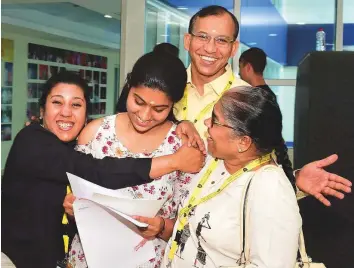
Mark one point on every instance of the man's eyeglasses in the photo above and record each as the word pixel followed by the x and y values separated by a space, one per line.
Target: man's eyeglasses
pixel 204 38
pixel 214 121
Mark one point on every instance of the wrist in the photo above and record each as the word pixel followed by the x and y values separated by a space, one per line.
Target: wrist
pixel 162 227
pixel 174 162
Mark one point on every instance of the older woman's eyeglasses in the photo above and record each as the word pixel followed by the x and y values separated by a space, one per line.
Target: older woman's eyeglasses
pixel 205 38
pixel 215 121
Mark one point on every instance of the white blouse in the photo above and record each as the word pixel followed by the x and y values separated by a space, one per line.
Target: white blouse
pixel 212 237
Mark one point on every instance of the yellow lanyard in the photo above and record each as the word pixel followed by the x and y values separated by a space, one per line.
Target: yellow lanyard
pixel 65 222
pixel 206 108
pixel 194 201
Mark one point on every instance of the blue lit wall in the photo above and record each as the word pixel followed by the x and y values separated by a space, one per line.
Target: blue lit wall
pixel 260 19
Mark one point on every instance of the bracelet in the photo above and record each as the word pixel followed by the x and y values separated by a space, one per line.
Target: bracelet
pixel 163 228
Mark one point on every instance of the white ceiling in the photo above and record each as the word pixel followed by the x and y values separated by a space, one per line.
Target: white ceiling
pixel 79 20
pixel 83 20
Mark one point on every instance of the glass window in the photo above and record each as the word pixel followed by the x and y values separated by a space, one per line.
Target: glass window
pixel 286 99
pixel 286 31
pixel 348 27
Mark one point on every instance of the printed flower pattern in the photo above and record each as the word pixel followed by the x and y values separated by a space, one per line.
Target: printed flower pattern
pixel 171 187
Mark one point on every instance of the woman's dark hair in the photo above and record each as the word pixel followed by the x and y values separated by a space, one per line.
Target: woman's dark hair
pixel 165 73
pixel 160 49
pixel 121 106
pixel 253 112
pixel 166 48
pixel 65 77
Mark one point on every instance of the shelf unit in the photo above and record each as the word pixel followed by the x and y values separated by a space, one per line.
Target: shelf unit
pixel 6 99
pixel 45 61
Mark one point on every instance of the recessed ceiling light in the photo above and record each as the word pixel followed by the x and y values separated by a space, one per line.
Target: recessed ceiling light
pixel 182 8
pixel 300 23
pixel 108 16
pixel 272 34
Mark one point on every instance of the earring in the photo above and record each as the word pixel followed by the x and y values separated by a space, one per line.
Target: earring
pixel 240 150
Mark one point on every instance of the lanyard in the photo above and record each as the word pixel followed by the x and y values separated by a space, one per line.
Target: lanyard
pixel 65 222
pixel 206 108
pixel 194 200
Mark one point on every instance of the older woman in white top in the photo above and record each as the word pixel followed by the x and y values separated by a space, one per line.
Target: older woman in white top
pixel 244 130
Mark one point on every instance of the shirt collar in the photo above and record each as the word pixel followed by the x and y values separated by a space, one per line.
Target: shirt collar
pixel 217 84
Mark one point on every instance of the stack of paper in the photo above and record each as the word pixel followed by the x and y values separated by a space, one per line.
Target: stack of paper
pixel 109 235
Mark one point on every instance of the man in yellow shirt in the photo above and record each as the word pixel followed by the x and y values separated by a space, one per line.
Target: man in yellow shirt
pixel 211 42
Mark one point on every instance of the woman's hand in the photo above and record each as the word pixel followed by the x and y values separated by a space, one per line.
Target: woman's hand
pixel 193 138
pixel 188 159
pixel 68 204
pixel 155 226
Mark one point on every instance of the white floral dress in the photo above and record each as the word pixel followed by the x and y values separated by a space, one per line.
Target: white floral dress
pixel 171 187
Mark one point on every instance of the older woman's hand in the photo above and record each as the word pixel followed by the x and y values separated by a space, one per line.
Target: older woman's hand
pixel 314 180
pixel 68 204
pixel 193 138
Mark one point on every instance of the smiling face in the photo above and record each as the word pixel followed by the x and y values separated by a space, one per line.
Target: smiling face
pixel 209 59
pixel 147 108
pixel 65 111
pixel 222 142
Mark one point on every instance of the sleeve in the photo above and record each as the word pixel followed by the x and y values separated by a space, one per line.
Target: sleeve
pixel 43 154
pixel 299 194
pixel 274 221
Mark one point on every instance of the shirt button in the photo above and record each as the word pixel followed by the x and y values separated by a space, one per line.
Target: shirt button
pixel 212 182
pixel 223 173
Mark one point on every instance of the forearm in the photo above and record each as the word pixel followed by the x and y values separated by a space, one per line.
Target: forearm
pixel 168 230
pixel 162 165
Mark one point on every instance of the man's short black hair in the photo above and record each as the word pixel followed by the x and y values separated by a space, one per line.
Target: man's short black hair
pixel 213 10
pixel 256 57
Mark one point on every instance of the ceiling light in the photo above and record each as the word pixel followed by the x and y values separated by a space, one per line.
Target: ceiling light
pixel 182 8
pixel 300 23
pixel 272 34
pixel 108 16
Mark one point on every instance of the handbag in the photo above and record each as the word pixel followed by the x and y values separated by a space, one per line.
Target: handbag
pixel 303 262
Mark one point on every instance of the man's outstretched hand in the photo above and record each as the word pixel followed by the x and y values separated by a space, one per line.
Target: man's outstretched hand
pixel 314 180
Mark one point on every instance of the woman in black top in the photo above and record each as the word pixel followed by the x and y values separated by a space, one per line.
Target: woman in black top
pixel 34 182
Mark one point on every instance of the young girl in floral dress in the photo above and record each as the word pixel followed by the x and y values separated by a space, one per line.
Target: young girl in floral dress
pixel 147 129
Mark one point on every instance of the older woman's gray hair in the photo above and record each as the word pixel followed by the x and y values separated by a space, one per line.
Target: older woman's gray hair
pixel 254 112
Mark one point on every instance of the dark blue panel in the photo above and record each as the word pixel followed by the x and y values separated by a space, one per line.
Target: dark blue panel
pixel 259 20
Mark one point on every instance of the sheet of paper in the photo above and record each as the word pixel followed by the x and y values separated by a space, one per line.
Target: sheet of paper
pixel 140 207
pixel 109 240
pixel 108 234
pixel 85 189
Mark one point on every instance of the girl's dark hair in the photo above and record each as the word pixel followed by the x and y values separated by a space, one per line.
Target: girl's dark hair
pixel 121 106
pixel 65 77
pixel 162 72
pixel 253 112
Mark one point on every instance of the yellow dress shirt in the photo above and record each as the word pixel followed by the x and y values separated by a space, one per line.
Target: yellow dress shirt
pixel 196 102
